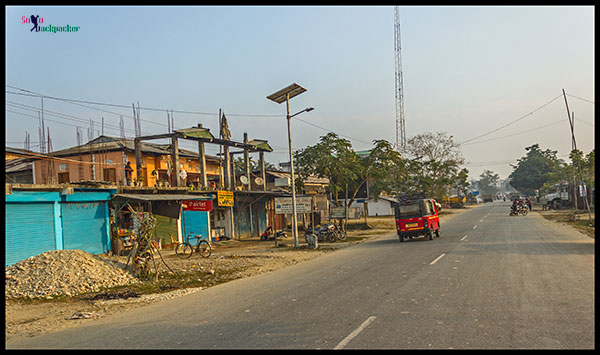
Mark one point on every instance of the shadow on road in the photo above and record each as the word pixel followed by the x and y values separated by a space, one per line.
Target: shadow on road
pixel 527 248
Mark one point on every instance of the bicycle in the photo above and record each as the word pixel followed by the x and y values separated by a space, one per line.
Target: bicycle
pixel 186 249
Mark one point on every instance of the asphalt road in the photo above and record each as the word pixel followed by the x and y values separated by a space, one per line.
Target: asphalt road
pixel 490 281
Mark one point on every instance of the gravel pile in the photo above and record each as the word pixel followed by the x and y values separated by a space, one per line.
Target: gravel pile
pixel 62 272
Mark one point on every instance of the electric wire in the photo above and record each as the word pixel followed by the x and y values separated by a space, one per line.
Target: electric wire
pixel 517 133
pixel 509 123
pixel 582 99
pixel 35 94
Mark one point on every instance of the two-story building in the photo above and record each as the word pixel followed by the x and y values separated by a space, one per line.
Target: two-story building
pixel 105 158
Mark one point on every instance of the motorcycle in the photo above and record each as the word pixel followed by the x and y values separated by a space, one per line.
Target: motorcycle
pixel 518 210
pixel 341 234
pixel 268 234
pixel 325 233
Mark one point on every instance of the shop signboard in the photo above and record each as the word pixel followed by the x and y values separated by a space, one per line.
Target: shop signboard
pixel 225 198
pixel 197 205
pixel 337 212
pixel 283 205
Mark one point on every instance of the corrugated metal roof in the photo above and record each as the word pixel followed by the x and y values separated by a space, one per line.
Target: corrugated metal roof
pixel 19 164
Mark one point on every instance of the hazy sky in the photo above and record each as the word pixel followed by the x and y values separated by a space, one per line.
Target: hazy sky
pixel 467 71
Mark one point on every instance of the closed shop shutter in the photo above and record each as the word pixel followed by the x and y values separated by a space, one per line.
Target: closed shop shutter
pixel 84 226
pixel 195 223
pixel 29 230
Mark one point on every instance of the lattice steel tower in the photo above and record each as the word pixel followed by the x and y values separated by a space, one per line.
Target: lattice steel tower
pixel 400 144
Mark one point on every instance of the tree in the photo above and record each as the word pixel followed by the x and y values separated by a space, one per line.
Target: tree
pixel 533 170
pixel 434 167
pixel 384 168
pixel 488 181
pixel 334 158
pixel 461 183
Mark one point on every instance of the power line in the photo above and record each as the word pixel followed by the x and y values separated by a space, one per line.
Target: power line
pixel 515 134
pixel 127 106
pixel 591 102
pixel 79 103
pixel 518 119
pixel 329 130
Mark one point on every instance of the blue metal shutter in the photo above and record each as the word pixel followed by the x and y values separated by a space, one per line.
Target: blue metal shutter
pixel 195 222
pixel 84 226
pixel 29 230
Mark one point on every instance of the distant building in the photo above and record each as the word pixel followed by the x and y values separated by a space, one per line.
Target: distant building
pixel 19 165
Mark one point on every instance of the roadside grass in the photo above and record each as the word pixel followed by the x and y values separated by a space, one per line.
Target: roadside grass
pixel 577 219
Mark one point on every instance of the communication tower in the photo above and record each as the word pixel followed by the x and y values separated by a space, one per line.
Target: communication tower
pixel 400 144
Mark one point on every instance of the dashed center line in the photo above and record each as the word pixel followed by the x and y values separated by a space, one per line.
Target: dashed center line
pixel 474 227
pixel 354 333
pixel 463 238
pixel 436 259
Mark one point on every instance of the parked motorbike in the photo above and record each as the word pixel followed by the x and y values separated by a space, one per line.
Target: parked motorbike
pixel 326 233
pixel 341 234
pixel 269 235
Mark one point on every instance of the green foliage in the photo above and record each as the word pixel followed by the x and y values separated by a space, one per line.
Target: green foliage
pixel 535 169
pixel 488 181
pixel 435 168
pixel 332 158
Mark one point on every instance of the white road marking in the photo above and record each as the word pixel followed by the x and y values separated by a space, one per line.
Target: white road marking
pixel 463 238
pixel 354 333
pixel 474 227
pixel 436 259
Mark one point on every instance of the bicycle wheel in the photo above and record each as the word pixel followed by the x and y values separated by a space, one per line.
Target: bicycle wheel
pixel 184 250
pixel 204 248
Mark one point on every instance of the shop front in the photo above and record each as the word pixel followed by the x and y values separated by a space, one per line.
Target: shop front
pixel 174 215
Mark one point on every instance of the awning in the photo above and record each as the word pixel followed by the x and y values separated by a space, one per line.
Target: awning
pixel 167 205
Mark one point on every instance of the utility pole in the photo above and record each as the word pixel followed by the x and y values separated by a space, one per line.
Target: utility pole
pixel 573 148
pixel 587 204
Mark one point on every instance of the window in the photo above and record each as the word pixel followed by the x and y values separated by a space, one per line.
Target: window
pixel 428 208
pixel 63 178
pixel 63 167
pixel 408 211
pixel 110 174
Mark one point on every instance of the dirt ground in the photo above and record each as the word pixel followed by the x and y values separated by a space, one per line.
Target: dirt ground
pixel 579 219
pixel 230 260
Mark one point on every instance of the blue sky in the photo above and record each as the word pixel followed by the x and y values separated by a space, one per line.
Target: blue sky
pixel 467 71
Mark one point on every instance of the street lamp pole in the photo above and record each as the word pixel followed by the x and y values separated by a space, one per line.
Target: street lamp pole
pixel 294 216
pixel 279 97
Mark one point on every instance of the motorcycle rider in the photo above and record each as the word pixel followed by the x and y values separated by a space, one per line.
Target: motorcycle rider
pixel 528 203
pixel 514 206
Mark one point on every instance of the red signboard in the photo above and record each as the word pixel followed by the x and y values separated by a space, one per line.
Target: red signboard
pixel 197 205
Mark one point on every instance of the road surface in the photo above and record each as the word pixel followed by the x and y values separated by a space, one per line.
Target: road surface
pixel 490 281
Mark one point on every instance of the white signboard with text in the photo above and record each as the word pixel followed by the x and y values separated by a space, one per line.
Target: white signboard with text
pixel 283 205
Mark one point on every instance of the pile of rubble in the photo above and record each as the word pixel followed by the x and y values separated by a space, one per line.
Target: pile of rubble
pixel 62 272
